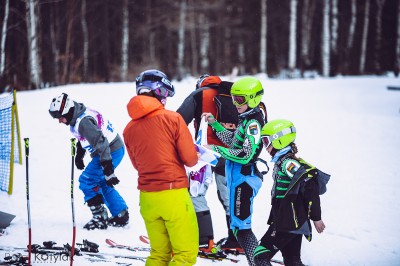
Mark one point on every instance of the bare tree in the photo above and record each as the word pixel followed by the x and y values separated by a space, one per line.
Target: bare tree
pixel 334 26
pixel 181 39
pixel 325 47
pixel 3 39
pixel 54 46
pixel 350 35
pixel 32 17
pixel 378 36
pixel 204 42
pixel 306 31
pixel 292 34
pixel 397 60
pixel 263 38
pixel 193 40
pixel 364 39
pixel 85 34
pixel 125 42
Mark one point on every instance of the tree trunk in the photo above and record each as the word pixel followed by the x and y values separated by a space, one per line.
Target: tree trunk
pixel 181 40
pixel 54 46
pixel 378 36
pixel 364 39
pixel 125 42
pixel 193 41
pixel 397 60
pixel 292 34
pixel 334 26
pixel 32 16
pixel 85 35
pixel 204 43
pixel 325 40
pixel 68 43
pixel 263 39
pixel 306 30
pixel 3 39
pixel 350 36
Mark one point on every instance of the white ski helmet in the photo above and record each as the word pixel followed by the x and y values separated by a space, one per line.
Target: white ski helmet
pixel 60 106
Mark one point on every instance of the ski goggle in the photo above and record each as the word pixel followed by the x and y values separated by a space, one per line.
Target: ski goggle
pixel 157 82
pixel 239 100
pixel 267 141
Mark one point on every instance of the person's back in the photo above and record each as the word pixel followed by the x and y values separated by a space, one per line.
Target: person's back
pixel 158 161
pixel 208 98
pixel 159 144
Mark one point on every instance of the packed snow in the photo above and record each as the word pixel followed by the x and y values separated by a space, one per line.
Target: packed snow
pixel 348 127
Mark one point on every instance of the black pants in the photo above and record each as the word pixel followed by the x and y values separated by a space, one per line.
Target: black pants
pixel 289 244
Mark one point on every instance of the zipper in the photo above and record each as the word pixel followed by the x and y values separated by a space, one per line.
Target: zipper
pixel 294 216
pixel 309 208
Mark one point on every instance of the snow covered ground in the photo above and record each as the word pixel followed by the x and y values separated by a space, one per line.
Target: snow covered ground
pixel 348 127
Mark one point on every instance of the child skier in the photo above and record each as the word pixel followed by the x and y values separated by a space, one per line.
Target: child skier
pixel 295 197
pixel 95 134
pixel 244 145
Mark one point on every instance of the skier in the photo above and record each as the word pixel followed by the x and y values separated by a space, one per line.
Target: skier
pixel 96 135
pixel 295 197
pixel 159 144
pixel 197 103
pixel 244 146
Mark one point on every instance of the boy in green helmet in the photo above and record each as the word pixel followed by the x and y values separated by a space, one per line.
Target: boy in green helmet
pixel 243 148
pixel 295 197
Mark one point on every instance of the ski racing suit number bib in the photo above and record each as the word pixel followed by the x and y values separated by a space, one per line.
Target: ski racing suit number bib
pixel 102 123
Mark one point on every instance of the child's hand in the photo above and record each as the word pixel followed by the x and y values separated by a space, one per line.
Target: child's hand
pixel 319 226
pixel 208 117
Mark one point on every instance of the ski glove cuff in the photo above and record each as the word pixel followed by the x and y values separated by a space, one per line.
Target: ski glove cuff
pixel 111 180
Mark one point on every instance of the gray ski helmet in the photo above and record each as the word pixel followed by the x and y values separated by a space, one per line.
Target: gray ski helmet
pixel 156 81
pixel 60 106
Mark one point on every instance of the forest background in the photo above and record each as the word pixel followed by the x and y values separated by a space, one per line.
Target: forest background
pixel 54 42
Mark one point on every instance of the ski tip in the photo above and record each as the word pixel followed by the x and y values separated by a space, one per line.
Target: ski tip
pixel 144 239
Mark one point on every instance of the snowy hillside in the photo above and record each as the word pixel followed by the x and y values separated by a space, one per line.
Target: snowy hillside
pixel 348 127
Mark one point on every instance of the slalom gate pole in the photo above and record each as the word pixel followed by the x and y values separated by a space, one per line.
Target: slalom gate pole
pixel 26 140
pixel 73 152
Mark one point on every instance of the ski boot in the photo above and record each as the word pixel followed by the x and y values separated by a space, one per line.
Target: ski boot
pixel 99 219
pixel 120 220
pixel 229 245
pixel 208 248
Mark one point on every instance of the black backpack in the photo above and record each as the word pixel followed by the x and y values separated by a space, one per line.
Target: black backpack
pixel 227 114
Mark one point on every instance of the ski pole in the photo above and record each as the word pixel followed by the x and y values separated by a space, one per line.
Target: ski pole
pixel 26 140
pixel 73 152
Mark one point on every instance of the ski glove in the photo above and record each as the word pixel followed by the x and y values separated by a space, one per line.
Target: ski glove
pixel 112 180
pixel 80 153
pixel 108 170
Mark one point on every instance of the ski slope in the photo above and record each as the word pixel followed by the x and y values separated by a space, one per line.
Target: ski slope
pixel 348 127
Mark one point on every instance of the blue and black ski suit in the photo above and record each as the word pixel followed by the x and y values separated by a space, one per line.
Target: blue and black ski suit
pixel 243 178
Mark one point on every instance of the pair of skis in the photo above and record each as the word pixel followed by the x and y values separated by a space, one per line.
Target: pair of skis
pixel 211 256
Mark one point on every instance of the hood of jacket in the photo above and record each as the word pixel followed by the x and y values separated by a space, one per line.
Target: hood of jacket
pixel 79 108
pixel 141 106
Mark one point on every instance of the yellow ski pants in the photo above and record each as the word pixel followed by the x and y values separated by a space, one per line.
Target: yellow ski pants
pixel 171 225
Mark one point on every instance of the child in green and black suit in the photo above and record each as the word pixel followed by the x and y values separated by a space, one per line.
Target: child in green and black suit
pixel 294 198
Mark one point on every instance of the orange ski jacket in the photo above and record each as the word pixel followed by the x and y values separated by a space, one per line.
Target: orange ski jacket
pixel 159 144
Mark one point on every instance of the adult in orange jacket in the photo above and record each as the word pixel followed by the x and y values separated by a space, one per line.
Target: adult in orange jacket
pixel 159 144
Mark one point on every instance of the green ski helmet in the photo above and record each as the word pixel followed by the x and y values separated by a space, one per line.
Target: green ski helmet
pixel 278 133
pixel 250 88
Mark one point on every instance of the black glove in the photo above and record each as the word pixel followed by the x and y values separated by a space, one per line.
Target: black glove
pixel 112 180
pixel 80 153
pixel 108 170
